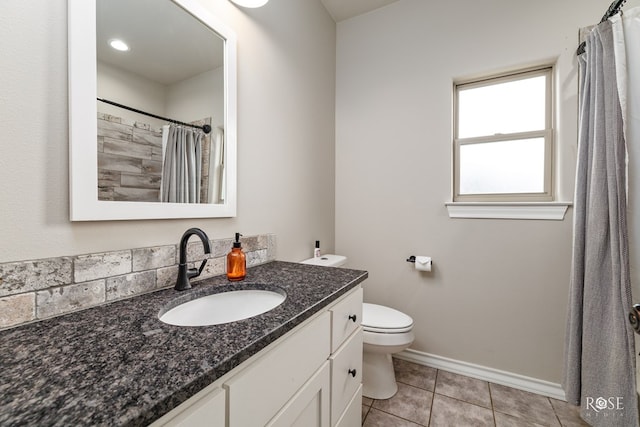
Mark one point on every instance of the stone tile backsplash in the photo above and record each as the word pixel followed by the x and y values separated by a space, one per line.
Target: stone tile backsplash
pixel 38 289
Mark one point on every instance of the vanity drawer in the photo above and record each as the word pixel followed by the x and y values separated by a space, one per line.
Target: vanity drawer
pixel 353 414
pixel 258 392
pixel 346 374
pixel 345 318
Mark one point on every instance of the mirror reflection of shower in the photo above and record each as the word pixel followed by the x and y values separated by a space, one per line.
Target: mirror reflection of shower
pixel 137 162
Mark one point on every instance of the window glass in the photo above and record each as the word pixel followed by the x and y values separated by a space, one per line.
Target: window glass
pixel 509 107
pixel 503 167
pixel 503 138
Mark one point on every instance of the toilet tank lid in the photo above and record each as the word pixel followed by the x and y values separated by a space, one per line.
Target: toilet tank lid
pixel 385 318
pixel 327 260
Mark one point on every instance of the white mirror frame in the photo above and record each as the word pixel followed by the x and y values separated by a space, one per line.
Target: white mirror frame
pixel 83 151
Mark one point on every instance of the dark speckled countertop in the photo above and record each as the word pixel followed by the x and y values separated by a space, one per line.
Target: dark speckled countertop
pixel 117 364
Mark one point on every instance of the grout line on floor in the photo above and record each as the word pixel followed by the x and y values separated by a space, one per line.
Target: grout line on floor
pixel 554 411
pixel 433 397
pixel 493 410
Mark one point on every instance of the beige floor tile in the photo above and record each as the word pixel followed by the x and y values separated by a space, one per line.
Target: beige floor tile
pixel 429 397
pixel 569 415
pixel 414 374
pixel 381 419
pixel 365 411
pixel 521 404
pixel 504 420
pixel 448 412
pixel 410 403
pixel 464 388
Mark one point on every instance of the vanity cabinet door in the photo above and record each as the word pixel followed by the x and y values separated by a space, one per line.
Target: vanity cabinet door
pixel 310 405
pixel 207 411
pixel 263 388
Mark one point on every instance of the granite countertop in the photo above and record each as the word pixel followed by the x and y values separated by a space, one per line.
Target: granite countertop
pixel 117 364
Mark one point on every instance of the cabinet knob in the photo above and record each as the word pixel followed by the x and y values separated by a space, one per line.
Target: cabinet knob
pixel 353 372
pixel 353 317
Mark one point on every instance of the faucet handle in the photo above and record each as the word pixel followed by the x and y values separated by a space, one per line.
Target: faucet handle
pixel 195 272
pixel 201 267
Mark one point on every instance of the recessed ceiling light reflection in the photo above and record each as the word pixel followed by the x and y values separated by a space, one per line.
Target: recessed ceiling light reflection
pixel 118 44
pixel 250 3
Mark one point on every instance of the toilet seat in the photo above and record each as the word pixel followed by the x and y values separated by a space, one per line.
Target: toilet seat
pixel 380 319
pixel 387 341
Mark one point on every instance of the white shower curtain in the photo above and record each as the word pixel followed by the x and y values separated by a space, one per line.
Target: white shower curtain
pixel 182 165
pixel 627 39
pixel 599 370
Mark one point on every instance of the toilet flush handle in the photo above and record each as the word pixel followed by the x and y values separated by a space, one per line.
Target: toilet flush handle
pixel 353 317
pixel 352 372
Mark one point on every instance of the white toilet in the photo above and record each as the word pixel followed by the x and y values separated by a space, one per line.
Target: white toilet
pixel 385 331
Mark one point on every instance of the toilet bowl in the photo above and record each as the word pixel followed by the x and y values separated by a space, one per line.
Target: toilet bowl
pixel 386 331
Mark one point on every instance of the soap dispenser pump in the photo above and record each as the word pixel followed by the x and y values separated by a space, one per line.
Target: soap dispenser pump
pixel 236 262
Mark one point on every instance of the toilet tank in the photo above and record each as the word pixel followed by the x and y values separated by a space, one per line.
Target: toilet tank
pixel 327 260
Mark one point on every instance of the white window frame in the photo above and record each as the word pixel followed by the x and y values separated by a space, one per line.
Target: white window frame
pixel 548 134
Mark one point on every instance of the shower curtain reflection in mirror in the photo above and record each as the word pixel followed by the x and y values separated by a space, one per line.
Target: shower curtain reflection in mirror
pixel 182 165
pixel 216 190
pixel 192 165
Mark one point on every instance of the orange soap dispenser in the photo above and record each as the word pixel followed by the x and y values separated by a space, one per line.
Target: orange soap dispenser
pixel 236 262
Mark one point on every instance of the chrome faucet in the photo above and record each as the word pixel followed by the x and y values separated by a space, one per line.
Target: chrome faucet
pixel 184 273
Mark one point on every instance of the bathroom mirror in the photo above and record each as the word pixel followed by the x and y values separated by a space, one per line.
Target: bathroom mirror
pixel 124 108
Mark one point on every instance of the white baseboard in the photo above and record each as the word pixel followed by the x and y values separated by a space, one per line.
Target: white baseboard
pixel 484 373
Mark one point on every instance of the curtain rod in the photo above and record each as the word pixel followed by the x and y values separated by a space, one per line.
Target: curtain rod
pixel 613 9
pixel 204 128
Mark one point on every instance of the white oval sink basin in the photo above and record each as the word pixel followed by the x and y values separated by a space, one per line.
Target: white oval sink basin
pixel 223 307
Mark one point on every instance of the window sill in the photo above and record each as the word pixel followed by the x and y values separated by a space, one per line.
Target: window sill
pixel 514 210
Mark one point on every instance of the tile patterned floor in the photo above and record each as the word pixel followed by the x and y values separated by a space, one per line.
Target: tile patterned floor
pixel 430 397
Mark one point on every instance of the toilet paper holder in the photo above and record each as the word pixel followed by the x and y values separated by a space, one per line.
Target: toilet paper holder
pixel 413 259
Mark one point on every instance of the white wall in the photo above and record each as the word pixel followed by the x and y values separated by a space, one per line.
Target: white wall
pixel 130 89
pixel 198 97
pixel 285 134
pixel 498 293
